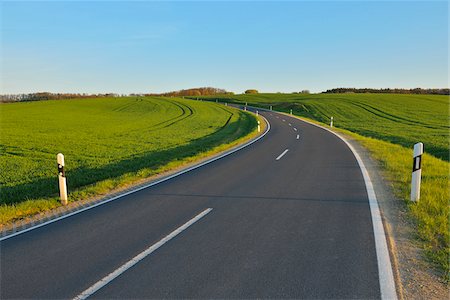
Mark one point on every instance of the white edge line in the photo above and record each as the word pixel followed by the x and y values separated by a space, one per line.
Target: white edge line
pixel 119 271
pixel 386 276
pixel 143 187
pixel 282 154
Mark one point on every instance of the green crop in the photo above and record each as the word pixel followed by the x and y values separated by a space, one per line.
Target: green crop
pixel 119 139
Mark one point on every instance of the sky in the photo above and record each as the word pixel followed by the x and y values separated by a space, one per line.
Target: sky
pixel 157 46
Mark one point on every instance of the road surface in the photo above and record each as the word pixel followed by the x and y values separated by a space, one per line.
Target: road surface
pixel 286 217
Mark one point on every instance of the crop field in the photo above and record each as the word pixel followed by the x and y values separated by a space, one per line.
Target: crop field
pixel 389 125
pixel 102 139
pixel 399 119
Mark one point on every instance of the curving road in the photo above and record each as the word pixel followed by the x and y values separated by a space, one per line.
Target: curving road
pixel 286 217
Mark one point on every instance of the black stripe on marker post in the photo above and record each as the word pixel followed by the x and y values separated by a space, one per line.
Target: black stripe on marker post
pixel 417 163
pixel 61 170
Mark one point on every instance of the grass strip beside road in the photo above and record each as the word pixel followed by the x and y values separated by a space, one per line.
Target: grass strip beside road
pixel 388 126
pixel 212 129
pixel 431 213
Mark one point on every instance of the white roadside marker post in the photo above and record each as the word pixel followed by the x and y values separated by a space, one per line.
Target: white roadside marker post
pixel 62 179
pixel 226 104
pixel 256 112
pixel 416 172
pixel 291 111
pixel 259 126
pixel 331 122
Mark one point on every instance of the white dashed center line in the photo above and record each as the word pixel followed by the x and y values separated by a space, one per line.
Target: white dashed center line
pixel 282 154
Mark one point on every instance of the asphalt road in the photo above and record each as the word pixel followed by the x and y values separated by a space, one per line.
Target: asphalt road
pixel 294 227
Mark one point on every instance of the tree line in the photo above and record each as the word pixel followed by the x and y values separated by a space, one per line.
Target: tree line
pixel 51 96
pixel 205 91
pixel 202 91
pixel 389 91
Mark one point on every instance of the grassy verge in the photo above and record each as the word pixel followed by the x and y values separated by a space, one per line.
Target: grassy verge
pixel 431 213
pixel 238 128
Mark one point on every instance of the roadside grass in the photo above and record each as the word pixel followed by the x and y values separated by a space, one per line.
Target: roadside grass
pixel 388 126
pixel 431 212
pixel 177 133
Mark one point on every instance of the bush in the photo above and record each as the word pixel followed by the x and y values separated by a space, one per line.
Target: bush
pixel 251 92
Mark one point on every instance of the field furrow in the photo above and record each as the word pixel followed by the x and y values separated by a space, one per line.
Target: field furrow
pixel 105 139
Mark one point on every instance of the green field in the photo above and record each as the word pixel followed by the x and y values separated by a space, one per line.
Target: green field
pixel 102 139
pixel 399 119
pixel 389 125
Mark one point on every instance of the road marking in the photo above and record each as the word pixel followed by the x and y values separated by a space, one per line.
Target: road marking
pixel 386 276
pixel 282 154
pixel 295 129
pixel 107 279
pixel 284 120
pixel 290 124
pixel 298 136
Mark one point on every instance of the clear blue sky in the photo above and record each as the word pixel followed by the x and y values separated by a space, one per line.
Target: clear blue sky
pixel 145 46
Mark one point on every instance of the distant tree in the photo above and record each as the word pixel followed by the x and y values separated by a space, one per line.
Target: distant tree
pixel 251 91
pixel 305 92
pixel 194 92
